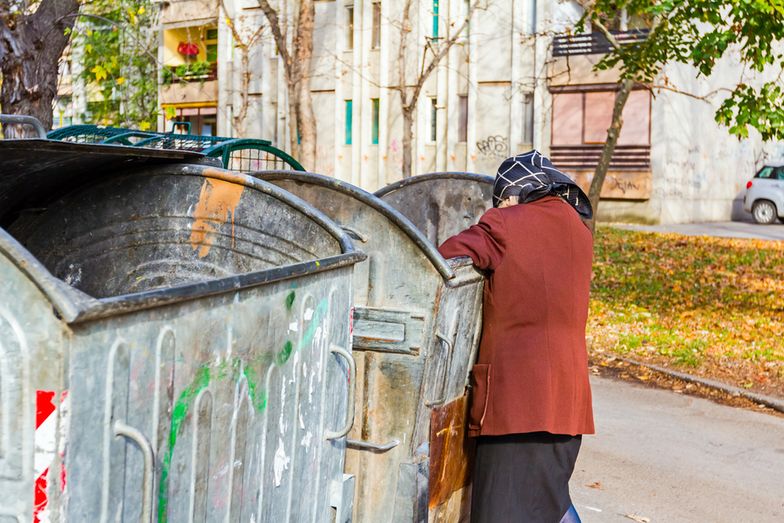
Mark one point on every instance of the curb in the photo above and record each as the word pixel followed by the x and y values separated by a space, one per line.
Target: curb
pixel 769 401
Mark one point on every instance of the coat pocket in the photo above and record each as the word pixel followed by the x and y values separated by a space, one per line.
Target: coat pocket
pixel 480 390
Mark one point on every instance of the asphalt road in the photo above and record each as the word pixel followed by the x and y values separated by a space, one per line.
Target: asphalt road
pixel 720 229
pixel 672 458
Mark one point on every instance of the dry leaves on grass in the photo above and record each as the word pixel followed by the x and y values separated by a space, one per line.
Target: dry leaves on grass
pixel 712 305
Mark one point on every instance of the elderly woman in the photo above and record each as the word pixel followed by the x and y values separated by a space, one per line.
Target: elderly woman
pixel 530 396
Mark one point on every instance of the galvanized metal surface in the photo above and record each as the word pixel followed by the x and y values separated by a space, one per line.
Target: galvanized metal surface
pixel 30 121
pixel 441 204
pixel 416 330
pixel 220 399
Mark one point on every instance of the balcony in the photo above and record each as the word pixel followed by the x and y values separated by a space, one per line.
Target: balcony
pixel 594 43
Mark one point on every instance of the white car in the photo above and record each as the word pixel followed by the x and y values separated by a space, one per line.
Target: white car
pixel 764 197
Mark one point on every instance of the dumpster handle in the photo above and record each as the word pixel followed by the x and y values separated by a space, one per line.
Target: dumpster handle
pixel 19 119
pixel 448 344
pixel 355 234
pixel 135 435
pixel 375 447
pixel 352 366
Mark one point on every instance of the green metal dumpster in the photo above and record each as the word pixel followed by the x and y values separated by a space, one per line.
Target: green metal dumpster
pixel 174 341
pixel 441 204
pixel 415 334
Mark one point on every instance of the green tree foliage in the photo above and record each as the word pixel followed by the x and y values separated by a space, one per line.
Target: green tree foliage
pixel 119 45
pixel 700 32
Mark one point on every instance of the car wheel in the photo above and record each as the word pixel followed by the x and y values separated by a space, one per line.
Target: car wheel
pixel 764 212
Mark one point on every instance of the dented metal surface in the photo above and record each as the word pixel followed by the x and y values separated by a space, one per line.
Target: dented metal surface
pixel 416 330
pixel 441 204
pixel 217 389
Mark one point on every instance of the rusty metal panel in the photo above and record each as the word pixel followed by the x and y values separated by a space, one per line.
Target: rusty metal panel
pixel 199 394
pixel 451 455
pixel 416 331
pixel 441 204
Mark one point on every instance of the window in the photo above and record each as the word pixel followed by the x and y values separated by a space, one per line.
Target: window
pixel 765 172
pixel 531 18
pixel 462 119
pixel 376 35
pixel 374 131
pixel 350 27
pixel 349 121
pixel 211 45
pixel 435 18
pixel 433 120
pixel 584 117
pixel 528 118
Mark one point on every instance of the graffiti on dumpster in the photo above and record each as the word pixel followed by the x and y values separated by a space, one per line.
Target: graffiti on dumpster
pixel 233 370
pixel 218 201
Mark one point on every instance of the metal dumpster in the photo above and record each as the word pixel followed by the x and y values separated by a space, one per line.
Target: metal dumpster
pixel 415 334
pixel 167 349
pixel 441 204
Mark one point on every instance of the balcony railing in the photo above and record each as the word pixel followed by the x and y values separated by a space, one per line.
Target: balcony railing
pixel 585 157
pixel 192 72
pixel 594 43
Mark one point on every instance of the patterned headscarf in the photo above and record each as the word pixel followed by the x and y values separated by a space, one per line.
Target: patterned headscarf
pixel 532 176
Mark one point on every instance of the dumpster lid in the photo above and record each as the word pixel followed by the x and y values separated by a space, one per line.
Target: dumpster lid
pixel 404 224
pixel 32 172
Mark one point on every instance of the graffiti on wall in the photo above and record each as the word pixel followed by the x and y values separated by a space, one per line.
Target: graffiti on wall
pixel 496 146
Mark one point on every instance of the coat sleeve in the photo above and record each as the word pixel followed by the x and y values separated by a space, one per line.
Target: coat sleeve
pixel 484 242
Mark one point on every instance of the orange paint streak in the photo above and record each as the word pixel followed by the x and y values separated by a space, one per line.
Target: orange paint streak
pixel 218 201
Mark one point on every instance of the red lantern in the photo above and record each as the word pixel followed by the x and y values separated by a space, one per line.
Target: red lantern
pixel 188 49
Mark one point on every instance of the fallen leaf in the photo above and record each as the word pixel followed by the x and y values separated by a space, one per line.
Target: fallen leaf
pixel 638 519
pixel 595 484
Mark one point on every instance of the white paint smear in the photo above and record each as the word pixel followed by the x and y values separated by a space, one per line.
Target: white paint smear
pixel 293 327
pixel 280 463
pixel 308 314
pixel 306 439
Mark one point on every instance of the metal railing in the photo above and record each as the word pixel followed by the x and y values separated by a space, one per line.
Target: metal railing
pixel 594 43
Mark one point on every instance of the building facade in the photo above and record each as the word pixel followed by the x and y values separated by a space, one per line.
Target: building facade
pixel 512 81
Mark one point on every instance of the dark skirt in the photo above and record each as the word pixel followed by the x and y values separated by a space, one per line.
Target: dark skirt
pixel 523 478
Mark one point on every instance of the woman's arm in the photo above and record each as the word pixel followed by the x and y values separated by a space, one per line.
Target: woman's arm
pixel 483 243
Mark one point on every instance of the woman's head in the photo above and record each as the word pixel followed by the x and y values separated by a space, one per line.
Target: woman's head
pixel 530 176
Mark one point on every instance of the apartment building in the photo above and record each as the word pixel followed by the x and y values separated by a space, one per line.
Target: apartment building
pixel 513 80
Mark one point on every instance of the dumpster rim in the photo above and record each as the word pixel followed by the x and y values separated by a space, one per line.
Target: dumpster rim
pixel 396 217
pixel 440 175
pixel 73 305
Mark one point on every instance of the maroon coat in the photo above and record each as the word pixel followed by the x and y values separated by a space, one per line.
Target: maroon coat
pixel 532 370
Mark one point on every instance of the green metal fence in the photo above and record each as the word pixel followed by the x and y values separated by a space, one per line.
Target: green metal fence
pixel 250 155
pixel 237 154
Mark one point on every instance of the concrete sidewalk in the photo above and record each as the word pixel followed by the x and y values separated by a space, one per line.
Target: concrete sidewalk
pixel 674 458
pixel 719 229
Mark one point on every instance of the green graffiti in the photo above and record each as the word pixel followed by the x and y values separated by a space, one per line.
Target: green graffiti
pixel 290 300
pixel 226 369
pixel 179 413
pixel 285 352
pixel 258 398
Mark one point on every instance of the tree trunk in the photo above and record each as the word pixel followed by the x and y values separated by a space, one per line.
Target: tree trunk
pixel 408 140
pixel 30 49
pixel 293 119
pixel 303 54
pixel 613 133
